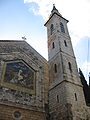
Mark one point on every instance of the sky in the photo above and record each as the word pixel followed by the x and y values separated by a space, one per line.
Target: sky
pixel 20 18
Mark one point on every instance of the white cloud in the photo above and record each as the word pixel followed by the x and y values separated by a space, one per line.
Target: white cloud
pixel 77 11
pixel 44 7
pixel 86 69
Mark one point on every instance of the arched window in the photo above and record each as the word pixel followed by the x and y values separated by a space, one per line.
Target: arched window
pixel 53 45
pixel 55 68
pixel 51 29
pixel 70 67
pixel 62 28
pixel 65 43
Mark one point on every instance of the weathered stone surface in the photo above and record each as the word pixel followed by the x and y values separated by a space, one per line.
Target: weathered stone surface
pixel 66 98
pixel 15 95
pixel 7 113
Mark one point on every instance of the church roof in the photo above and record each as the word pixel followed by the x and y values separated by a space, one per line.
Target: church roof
pixel 21 45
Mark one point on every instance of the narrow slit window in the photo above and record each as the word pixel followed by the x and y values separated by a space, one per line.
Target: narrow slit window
pixel 53 45
pixel 51 29
pixel 55 68
pixel 65 43
pixel 75 96
pixel 57 98
pixel 70 67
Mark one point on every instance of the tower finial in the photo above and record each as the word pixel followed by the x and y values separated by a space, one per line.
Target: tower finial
pixel 54 8
pixel 53 5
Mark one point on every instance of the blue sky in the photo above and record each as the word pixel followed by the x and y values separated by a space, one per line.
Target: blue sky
pixel 27 17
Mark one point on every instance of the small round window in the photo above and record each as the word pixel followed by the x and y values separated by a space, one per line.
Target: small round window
pixel 17 115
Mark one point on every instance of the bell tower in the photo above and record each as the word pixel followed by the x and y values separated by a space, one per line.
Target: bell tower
pixel 66 98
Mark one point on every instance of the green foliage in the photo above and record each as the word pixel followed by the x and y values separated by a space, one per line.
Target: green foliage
pixel 86 87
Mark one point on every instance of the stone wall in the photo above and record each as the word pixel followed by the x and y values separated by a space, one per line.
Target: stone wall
pixel 88 112
pixel 17 95
pixel 7 113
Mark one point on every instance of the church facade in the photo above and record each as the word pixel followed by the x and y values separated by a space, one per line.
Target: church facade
pixel 32 88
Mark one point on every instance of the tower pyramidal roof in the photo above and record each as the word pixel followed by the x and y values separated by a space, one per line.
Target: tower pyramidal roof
pixel 54 11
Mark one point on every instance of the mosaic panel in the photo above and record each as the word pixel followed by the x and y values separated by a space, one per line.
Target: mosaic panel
pixel 18 74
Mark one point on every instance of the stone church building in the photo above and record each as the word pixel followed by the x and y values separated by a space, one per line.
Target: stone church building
pixel 32 88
